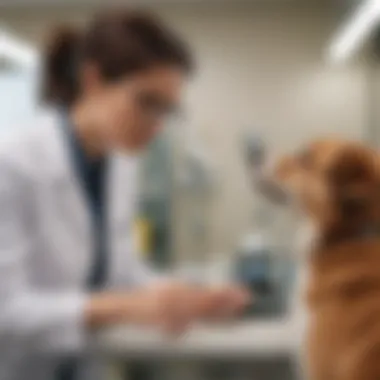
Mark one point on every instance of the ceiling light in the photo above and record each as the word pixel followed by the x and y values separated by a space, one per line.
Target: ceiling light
pixel 17 50
pixel 356 31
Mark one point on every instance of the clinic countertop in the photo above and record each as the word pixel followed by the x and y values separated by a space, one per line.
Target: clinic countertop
pixel 251 338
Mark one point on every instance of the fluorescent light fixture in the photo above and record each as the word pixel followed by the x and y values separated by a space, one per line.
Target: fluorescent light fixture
pixel 17 50
pixel 354 33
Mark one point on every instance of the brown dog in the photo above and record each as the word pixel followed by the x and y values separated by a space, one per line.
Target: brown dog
pixel 337 185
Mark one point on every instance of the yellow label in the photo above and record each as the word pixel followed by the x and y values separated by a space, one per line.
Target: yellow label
pixel 143 235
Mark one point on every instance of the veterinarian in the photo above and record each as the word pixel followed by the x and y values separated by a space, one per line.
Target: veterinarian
pixel 68 190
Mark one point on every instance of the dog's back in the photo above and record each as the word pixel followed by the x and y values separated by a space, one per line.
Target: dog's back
pixel 344 301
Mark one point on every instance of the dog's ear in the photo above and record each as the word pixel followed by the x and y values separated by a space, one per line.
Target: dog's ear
pixel 354 178
pixel 352 204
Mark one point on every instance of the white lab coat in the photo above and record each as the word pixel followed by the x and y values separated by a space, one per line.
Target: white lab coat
pixel 46 251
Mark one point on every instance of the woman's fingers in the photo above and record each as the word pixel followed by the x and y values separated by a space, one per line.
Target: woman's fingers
pixel 216 304
pixel 224 303
pixel 176 308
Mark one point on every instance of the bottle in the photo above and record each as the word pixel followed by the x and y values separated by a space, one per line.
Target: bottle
pixel 254 259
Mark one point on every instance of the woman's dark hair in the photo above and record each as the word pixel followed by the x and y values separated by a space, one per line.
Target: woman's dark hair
pixel 119 43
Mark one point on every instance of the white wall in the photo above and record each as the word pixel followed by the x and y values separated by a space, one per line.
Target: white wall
pixel 260 66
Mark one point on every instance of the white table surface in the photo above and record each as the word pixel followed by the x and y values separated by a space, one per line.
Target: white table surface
pixel 239 340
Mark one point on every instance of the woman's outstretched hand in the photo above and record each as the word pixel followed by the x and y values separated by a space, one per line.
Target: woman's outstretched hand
pixel 172 307
pixel 181 306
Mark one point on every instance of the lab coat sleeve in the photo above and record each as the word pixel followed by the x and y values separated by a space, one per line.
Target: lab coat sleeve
pixel 29 316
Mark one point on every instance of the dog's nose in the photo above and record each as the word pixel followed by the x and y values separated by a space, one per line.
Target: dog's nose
pixel 259 170
pixel 272 191
pixel 267 184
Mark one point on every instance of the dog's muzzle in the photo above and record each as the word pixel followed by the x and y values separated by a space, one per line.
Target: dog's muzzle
pixel 271 189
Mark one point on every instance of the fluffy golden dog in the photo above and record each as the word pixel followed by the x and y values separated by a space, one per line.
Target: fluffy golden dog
pixel 337 186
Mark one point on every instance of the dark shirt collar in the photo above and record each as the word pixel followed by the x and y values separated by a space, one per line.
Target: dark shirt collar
pixel 81 158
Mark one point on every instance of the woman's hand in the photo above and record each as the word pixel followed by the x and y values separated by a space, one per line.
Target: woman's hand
pixel 173 307
pixel 224 302
pixel 178 306
pixel 135 307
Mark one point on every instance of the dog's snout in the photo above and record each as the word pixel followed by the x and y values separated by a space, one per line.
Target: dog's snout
pixel 268 185
pixel 273 191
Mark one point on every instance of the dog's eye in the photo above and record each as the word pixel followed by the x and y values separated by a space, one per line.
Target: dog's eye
pixel 305 159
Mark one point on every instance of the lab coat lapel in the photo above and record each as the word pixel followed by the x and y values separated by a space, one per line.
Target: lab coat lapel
pixel 121 187
pixel 121 202
pixel 122 206
pixel 70 196
pixel 122 192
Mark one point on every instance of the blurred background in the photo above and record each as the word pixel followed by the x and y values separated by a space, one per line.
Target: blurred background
pixel 283 70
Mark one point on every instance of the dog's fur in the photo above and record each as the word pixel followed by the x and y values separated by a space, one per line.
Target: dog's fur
pixel 337 185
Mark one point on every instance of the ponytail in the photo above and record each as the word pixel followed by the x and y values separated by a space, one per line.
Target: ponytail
pixel 59 76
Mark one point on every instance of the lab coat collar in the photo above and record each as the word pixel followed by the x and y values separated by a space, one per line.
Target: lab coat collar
pixel 122 184
pixel 60 165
